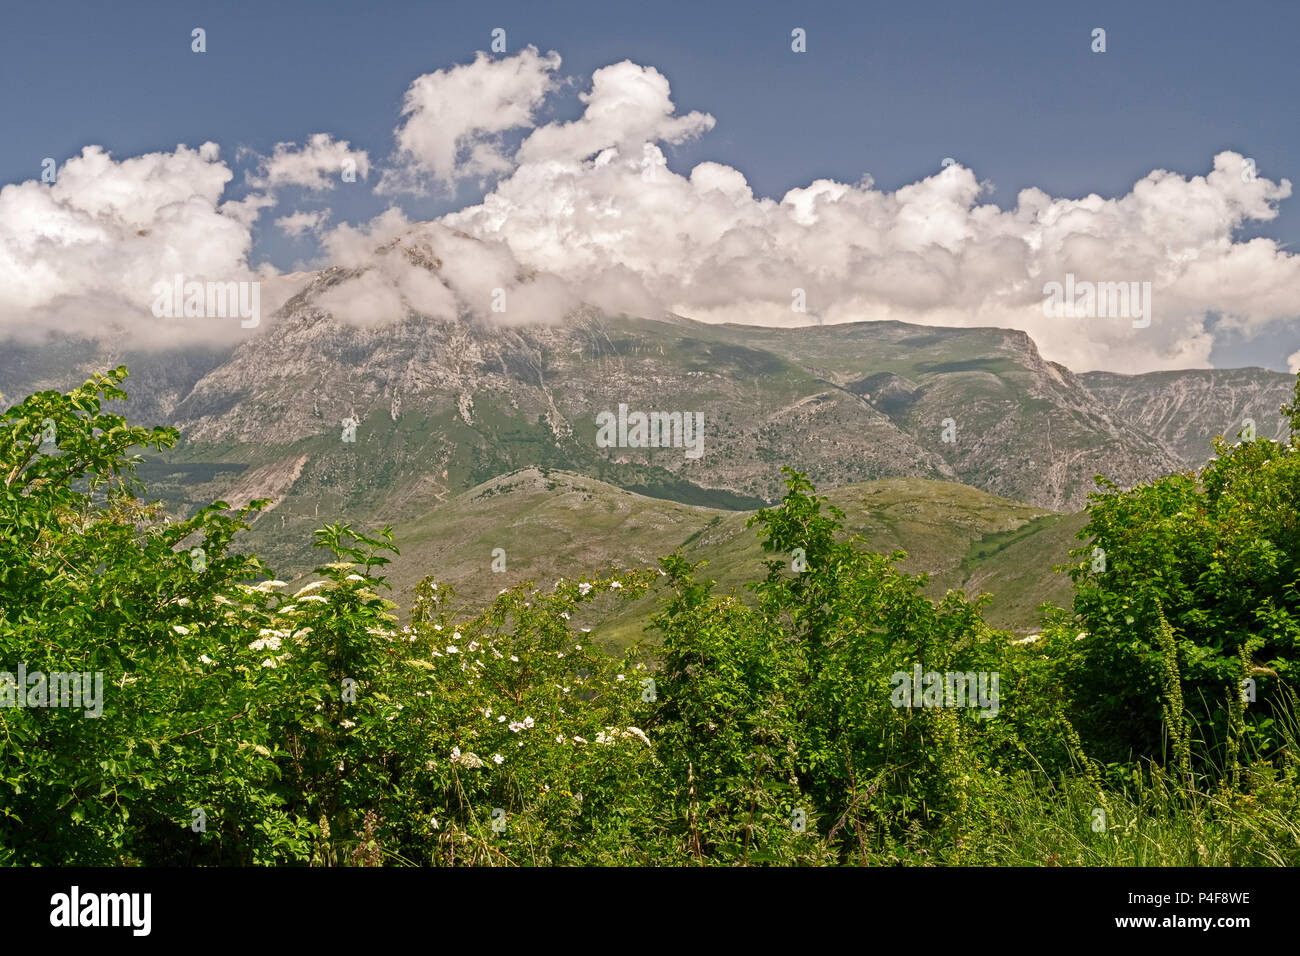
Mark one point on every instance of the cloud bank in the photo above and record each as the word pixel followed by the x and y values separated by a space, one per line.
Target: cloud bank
pixel 593 203
pixel 587 211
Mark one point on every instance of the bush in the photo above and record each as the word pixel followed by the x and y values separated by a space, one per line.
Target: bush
pixel 244 725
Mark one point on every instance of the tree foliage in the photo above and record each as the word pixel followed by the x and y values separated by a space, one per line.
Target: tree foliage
pixel 245 725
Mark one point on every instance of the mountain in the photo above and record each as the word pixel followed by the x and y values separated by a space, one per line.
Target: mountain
pixel 1185 410
pixel 444 405
pixel 160 378
pixel 444 408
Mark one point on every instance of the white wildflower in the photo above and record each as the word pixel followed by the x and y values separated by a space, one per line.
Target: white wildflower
pixel 272 642
pixel 471 760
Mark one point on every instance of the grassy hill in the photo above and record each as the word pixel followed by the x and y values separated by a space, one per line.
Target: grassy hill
pixel 558 524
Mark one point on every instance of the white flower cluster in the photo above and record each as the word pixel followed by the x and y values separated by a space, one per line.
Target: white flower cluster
pixel 611 735
pixel 469 759
pixel 268 640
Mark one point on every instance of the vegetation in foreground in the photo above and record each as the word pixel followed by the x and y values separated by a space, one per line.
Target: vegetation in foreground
pixel 1153 723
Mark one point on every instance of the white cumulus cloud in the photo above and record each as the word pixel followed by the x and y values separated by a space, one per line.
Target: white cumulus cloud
pixel 588 211
pixel 593 204
pixel 453 120
pixel 81 255
pixel 318 166
pixel 297 223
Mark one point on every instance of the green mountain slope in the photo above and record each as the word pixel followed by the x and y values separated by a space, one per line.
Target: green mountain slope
pixel 553 525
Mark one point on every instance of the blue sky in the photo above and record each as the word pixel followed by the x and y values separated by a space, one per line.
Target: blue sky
pixel 1010 90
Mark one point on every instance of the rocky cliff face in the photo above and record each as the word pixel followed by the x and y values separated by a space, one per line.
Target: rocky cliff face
pixel 1185 410
pixel 522 396
pixel 442 405
pixel 1001 417
pixel 158 382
